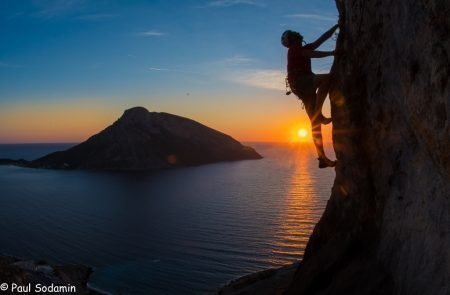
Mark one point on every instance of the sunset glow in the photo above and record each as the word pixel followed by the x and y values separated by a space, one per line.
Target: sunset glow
pixel 302 133
pixel 68 122
pixel 55 122
pixel 81 69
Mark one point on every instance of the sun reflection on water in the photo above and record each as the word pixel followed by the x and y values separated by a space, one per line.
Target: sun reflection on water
pixel 302 208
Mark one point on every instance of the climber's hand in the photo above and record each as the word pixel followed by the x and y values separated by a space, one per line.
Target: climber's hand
pixel 338 52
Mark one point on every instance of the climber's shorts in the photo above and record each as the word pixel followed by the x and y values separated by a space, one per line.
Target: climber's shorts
pixel 304 88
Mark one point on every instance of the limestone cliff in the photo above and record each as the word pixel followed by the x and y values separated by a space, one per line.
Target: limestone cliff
pixel 386 226
pixel 143 140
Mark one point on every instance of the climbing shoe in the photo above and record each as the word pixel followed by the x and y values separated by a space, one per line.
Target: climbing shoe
pixel 325 121
pixel 325 162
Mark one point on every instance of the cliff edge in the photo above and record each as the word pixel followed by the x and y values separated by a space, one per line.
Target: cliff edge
pixel 386 226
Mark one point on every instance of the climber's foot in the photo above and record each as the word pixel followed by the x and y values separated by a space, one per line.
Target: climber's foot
pixel 324 162
pixel 324 120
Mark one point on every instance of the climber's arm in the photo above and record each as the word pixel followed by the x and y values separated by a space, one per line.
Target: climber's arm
pixel 316 54
pixel 321 39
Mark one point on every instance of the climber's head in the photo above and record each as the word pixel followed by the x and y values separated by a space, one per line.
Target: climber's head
pixel 290 37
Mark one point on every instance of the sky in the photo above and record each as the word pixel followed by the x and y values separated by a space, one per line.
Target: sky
pixel 69 68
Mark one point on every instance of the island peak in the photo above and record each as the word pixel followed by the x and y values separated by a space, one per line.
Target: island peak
pixel 141 140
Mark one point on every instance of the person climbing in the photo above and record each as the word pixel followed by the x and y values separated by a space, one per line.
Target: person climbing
pixel 310 88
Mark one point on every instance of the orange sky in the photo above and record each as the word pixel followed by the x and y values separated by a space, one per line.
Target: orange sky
pixel 72 77
pixel 275 119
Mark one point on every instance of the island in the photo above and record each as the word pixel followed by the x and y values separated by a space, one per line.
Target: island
pixel 145 141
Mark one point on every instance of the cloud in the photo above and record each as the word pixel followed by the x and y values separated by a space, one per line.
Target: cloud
pixel 227 3
pixel 171 70
pixel 150 33
pixel 158 69
pixel 312 17
pixel 9 65
pixel 241 69
pixel 95 17
pixel 236 60
pixel 74 9
pixel 56 8
pixel 260 78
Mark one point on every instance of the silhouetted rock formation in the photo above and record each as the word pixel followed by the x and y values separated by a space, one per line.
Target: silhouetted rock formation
pixel 20 162
pixel 143 140
pixel 386 227
pixel 32 277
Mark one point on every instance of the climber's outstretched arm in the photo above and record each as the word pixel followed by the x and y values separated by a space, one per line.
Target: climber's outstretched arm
pixel 321 39
pixel 317 54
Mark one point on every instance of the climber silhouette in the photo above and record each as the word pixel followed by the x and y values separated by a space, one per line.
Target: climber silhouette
pixel 311 88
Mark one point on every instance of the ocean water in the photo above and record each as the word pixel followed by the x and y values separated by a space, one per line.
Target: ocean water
pixel 180 231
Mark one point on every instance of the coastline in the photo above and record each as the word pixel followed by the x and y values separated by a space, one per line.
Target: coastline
pixel 34 276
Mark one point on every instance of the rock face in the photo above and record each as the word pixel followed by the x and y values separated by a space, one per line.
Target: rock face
pixel 266 282
pixel 35 276
pixel 143 140
pixel 386 226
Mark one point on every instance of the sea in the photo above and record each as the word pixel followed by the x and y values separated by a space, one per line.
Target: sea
pixel 179 231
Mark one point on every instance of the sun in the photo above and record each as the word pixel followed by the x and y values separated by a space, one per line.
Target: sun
pixel 302 133
pixel 299 133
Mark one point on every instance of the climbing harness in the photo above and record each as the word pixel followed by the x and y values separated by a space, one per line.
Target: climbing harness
pixel 288 88
pixel 289 91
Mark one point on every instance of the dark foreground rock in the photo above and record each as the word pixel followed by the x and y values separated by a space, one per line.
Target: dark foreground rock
pixel 143 140
pixel 31 277
pixel 386 227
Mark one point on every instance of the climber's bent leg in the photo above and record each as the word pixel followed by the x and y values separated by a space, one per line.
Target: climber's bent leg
pixel 317 133
pixel 317 139
pixel 322 83
pixel 309 99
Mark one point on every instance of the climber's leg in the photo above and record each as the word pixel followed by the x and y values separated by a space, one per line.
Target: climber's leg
pixel 317 132
pixel 322 83
pixel 316 127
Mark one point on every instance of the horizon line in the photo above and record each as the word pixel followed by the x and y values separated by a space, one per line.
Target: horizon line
pixel 241 141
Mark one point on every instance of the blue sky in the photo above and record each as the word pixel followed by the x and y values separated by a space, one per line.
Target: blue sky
pixel 203 59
